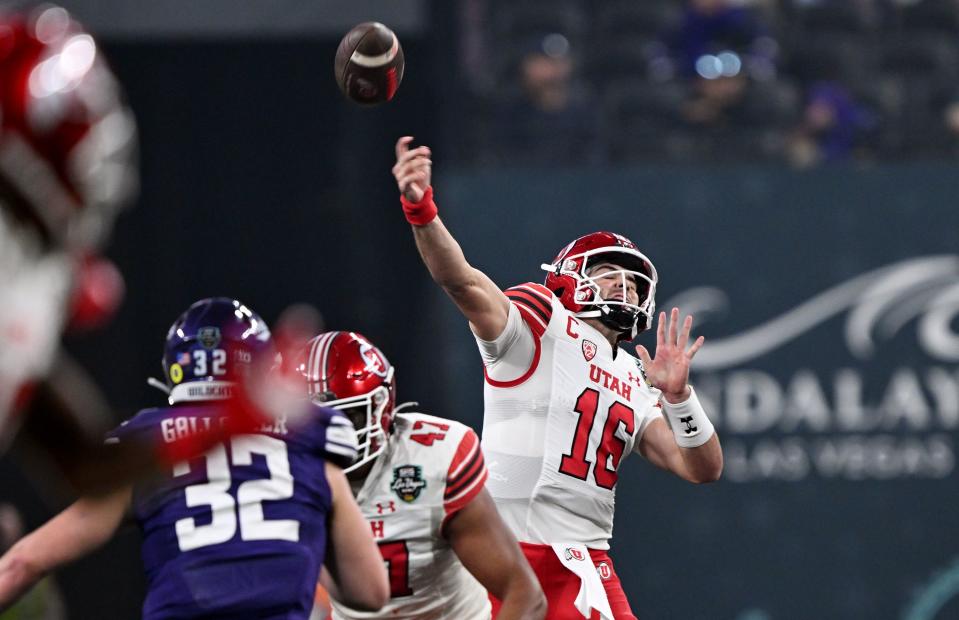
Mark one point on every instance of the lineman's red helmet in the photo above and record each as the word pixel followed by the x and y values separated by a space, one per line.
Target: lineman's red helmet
pixel 67 139
pixel 345 371
pixel 569 280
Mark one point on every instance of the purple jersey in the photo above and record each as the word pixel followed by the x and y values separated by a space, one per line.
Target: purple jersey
pixel 241 531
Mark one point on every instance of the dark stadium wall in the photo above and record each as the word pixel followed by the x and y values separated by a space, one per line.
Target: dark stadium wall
pixel 829 302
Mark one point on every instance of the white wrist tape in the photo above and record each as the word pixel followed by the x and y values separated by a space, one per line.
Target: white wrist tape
pixel 688 421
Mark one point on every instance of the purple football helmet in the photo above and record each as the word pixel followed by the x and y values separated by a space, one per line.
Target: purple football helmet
pixel 210 347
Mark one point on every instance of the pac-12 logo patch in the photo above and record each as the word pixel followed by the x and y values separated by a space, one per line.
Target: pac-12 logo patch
pixel 574 554
pixel 408 482
pixel 589 350
pixel 208 337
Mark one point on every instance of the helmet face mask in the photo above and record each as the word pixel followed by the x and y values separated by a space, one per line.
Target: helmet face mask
pixel 347 372
pixel 366 412
pixel 572 277
pixel 619 313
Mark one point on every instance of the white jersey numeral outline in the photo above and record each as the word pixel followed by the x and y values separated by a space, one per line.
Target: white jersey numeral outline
pixel 249 495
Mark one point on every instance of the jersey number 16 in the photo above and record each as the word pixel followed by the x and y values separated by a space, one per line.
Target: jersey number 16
pixel 610 446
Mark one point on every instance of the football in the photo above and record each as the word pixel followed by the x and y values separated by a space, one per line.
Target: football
pixel 369 63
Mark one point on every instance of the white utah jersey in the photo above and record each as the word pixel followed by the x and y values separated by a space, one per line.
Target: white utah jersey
pixel 561 413
pixel 431 468
pixel 34 291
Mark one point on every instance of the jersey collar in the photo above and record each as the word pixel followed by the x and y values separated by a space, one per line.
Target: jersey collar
pixel 601 343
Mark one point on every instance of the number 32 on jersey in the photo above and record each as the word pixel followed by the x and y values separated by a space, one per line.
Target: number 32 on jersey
pixel 246 509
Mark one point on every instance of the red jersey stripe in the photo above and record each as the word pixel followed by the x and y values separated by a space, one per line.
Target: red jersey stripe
pixel 465 451
pixel 534 300
pixel 529 373
pixel 536 324
pixel 454 486
pixel 539 290
pixel 459 502
pixel 542 290
pixel 466 475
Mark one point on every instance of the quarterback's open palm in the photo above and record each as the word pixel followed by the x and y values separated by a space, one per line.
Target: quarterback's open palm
pixel 669 370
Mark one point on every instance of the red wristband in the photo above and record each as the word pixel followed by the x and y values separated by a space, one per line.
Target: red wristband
pixel 420 213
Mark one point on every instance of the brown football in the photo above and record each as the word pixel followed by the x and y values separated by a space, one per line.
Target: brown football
pixel 369 63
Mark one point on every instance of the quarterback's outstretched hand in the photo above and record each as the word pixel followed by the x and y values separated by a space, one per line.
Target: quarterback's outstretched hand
pixel 413 169
pixel 669 371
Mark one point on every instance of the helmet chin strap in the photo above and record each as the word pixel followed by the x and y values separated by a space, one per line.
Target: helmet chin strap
pixel 615 318
pixel 603 313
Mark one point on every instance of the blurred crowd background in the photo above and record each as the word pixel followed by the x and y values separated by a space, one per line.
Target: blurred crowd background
pixel 789 166
pixel 808 82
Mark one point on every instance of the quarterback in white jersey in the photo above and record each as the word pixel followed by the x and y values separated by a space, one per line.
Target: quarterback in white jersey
pixel 542 425
pixel 420 483
pixel 563 402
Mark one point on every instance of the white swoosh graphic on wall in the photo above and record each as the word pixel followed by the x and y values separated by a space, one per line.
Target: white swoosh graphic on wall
pixel 890 295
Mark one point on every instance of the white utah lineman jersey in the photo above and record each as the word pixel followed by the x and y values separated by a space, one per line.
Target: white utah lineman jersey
pixel 561 413
pixel 34 291
pixel 431 468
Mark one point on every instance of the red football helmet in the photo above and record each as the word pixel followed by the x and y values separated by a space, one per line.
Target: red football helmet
pixel 68 141
pixel 346 371
pixel 569 280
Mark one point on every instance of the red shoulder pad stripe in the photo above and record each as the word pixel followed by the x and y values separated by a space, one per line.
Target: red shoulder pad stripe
pixel 521 297
pixel 466 476
pixel 473 468
pixel 535 298
pixel 454 505
pixel 537 290
pixel 466 449
pixel 542 290
pixel 536 324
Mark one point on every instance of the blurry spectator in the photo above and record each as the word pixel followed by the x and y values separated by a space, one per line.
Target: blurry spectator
pixel 734 105
pixel 832 128
pixel 552 119
pixel 950 118
pixel 709 27
pixel 718 93
pixel 730 114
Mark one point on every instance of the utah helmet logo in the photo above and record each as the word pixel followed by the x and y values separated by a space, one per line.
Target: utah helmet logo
pixel 208 337
pixel 604 571
pixel 574 554
pixel 408 482
pixel 374 360
pixel 589 349
pixel 624 242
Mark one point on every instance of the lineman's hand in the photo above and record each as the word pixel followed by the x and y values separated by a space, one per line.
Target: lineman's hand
pixel 413 169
